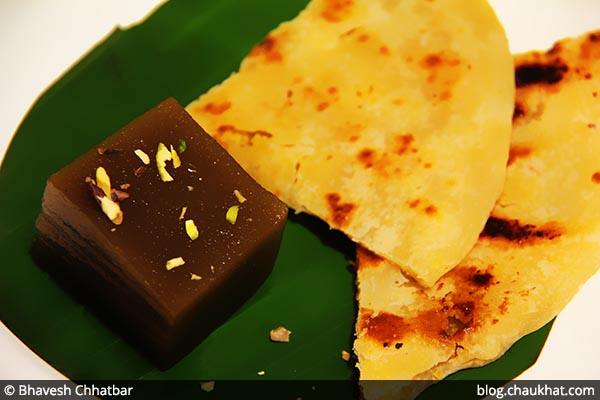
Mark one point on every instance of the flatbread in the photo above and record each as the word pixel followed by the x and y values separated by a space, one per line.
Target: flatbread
pixel 540 244
pixel 388 119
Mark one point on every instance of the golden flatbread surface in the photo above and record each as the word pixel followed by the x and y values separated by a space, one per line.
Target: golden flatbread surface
pixel 541 243
pixel 388 119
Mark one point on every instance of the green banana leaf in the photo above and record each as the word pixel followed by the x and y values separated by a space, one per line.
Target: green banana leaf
pixel 181 50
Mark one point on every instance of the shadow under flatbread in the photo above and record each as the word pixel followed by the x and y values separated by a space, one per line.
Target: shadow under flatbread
pixel 336 240
pixel 328 236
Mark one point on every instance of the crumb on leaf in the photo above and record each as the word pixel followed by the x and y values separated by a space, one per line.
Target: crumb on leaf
pixel 280 334
pixel 345 355
pixel 207 386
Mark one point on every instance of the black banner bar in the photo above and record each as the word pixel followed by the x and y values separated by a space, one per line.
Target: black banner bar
pixel 299 390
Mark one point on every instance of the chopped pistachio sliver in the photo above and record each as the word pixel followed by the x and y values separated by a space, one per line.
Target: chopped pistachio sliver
pixel 175 157
pixel 103 181
pixel 183 210
pixel 195 277
pixel 239 196
pixel 112 210
pixel 142 156
pixel 164 175
pixel 162 156
pixel 232 214
pixel 174 263
pixel 182 146
pixel 191 229
pixel 103 194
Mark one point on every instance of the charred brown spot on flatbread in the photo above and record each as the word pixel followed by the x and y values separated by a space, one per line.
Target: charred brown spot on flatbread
pixel 443 71
pixel 503 307
pixel 404 144
pixel 548 69
pixel 360 36
pixel 337 10
pixel 431 60
pixel 590 48
pixel 347 131
pixel 363 37
pixel 268 50
pixel 423 206
pixel 523 113
pixel 414 203
pixel 340 212
pixel 288 98
pixel 540 73
pixel 518 112
pixel 217 108
pixel 223 129
pixel 516 232
pixel 361 93
pixel 323 98
pixel 516 152
pixel 382 162
pixel 322 106
pixel 446 321
pixel 366 258
pixel 431 210
pixel 464 306
pixel 483 279
pixel 583 73
pixel 366 157
pixel 557 48
pixel 469 276
pixel 438 65
pixel 383 327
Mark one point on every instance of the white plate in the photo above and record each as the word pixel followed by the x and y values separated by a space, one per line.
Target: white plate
pixel 39 39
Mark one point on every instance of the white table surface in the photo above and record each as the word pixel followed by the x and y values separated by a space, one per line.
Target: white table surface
pixel 40 39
